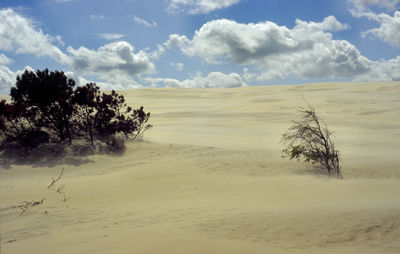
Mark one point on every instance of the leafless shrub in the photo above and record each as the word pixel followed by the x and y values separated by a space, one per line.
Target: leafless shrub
pixel 26 205
pixel 56 179
pixel 309 139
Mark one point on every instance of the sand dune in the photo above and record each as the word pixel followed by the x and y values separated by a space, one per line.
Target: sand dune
pixel 209 178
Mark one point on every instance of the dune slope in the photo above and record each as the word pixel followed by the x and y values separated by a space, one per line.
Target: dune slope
pixel 209 178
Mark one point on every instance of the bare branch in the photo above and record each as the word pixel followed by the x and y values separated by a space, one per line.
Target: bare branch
pixel 25 205
pixel 57 179
pixel 310 139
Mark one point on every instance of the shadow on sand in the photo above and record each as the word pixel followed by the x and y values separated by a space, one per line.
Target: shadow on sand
pixel 47 155
pixel 54 154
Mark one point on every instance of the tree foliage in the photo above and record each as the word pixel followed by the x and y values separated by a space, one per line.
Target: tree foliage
pixel 17 125
pixel 104 115
pixel 309 139
pixel 46 108
pixel 46 97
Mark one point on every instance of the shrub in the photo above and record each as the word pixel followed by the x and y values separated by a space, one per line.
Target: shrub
pixel 46 97
pixel 103 116
pixel 115 145
pixel 85 100
pixel 18 125
pixel 309 139
pixel 45 108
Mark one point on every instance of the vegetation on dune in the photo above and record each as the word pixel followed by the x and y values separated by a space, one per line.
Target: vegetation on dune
pixel 46 108
pixel 310 139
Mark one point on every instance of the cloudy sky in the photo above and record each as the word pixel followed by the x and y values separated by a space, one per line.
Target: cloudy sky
pixel 201 43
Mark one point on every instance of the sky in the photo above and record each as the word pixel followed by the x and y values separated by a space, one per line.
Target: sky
pixel 123 44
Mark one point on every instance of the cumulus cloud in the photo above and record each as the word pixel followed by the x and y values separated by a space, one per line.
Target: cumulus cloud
pixel 8 77
pixel 329 23
pixel 307 50
pixel 389 29
pixel 243 43
pixel 81 81
pixel 213 80
pixel 389 26
pixel 249 76
pixel 113 62
pixel 176 40
pixel 157 53
pixel 199 6
pixel 248 43
pixel 383 71
pixel 116 62
pixel 144 22
pixel 109 36
pixel 4 60
pixel 336 59
pixel 19 35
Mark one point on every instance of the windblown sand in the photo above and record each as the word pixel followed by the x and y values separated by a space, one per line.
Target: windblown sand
pixel 209 178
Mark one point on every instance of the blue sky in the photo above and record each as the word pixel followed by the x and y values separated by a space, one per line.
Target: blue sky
pixel 201 43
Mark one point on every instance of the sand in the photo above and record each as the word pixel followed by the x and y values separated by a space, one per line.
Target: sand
pixel 209 178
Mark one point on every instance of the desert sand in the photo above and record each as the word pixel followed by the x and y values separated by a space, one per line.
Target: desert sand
pixel 209 178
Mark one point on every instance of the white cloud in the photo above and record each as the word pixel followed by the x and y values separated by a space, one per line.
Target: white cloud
pixel 248 43
pixel 59 40
pixel 144 22
pixel 307 50
pixel 249 76
pixel 19 35
pixel 334 59
pixel 177 66
pixel 109 36
pixel 361 6
pixel 81 81
pixel 329 23
pixel 156 54
pixel 243 43
pixel 199 6
pixel 383 71
pixel 114 62
pixel 4 60
pixel 213 80
pixel 96 16
pixel 27 68
pixel 389 30
pixel 176 40
pixel 8 77
pixel 389 26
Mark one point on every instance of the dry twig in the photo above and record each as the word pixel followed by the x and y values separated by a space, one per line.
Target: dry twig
pixel 25 205
pixel 57 179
